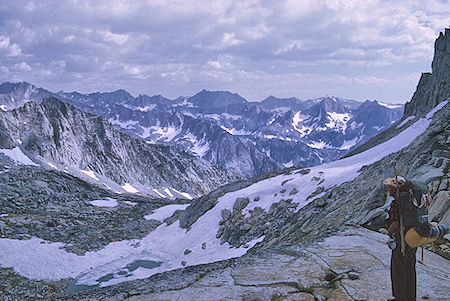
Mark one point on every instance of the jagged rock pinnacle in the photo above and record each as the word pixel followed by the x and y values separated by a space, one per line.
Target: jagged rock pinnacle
pixel 433 87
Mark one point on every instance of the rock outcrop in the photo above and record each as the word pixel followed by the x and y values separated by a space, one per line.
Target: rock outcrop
pixel 14 95
pixel 433 87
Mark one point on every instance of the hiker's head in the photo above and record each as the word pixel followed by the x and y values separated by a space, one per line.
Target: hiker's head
pixel 391 184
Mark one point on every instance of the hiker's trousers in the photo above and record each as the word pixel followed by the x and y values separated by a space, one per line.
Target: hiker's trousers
pixel 403 273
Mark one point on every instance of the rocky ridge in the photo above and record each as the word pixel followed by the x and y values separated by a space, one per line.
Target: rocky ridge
pixel 14 95
pixel 58 133
pixel 433 87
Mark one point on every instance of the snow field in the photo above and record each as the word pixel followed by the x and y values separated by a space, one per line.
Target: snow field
pixel 18 156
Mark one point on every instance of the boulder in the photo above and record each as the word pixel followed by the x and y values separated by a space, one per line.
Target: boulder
pixel 226 214
pixel 240 203
pixel 439 206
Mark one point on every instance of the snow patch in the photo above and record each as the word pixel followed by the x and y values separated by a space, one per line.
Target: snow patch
pixel 130 203
pixel 355 125
pixel 3 107
pixel 337 120
pixel 168 192
pixel 129 124
pixel 52 165
pixel 389 105
pixel 127 187
pixel 167 133
pixel 164 212
pixel 108 202
pixel 212 116
pixel 145 132
pixel 165 245
pixel 236 132
pixel 318 144
pixel 230 116
pixel 301 128
pixel 405 121
pixel 437 108
pixel 288 164
pixel 159 193
pixel 277 137
pixel 347 144
pixel 296 119
pixel 147 108
pixel 199 148
pixel 185 103
pixel 18 156
pixel 184 194
pixel 89 173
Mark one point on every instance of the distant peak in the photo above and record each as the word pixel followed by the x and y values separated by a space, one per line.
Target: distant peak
pixel 121 91
pixel 207 98
pixel 16 84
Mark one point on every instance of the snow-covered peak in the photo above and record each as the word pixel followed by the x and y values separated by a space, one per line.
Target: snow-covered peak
pixel 390 106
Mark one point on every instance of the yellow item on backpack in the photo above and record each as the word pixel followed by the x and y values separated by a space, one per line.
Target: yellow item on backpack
pixel 413 239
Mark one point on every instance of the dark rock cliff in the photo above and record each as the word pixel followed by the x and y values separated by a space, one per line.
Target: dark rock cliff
pixel 433 87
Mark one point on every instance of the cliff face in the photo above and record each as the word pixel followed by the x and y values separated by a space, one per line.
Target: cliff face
pixel 433 87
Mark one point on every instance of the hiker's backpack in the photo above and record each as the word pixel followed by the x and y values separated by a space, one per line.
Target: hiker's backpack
pixel 414 204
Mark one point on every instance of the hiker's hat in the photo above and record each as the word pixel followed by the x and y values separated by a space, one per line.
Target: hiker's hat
pixel 391 181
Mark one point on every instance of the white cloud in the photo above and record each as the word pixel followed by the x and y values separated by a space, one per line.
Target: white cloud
pixel 291 45
pixel 69 38
pixel 22 67
pixel 215 64
pixel 118 39
pixel 8 48
pixel 229 39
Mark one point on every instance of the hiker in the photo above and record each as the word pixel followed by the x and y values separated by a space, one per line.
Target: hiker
pixel 403 267
pixel 405 212
pixel 408 228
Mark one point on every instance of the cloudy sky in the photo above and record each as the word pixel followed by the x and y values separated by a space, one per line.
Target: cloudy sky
pixel 366 49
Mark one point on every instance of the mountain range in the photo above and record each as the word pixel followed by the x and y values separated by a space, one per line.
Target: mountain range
pixel 248 138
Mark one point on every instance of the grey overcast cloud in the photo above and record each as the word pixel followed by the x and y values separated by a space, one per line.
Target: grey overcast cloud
pixel 354 49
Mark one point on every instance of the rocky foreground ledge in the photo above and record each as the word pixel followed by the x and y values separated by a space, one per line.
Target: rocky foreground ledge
pixel 352 264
